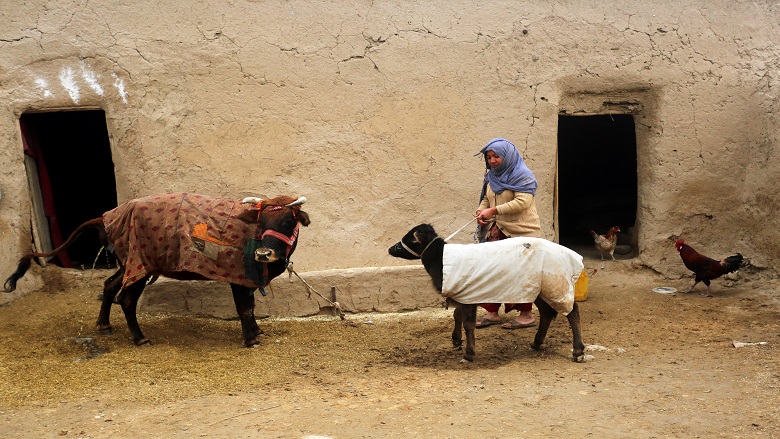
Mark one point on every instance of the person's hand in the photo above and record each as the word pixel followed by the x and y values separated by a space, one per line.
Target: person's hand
pixel 484 216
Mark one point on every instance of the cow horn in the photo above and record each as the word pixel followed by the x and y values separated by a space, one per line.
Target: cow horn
pixel 251 200
pixel 297 202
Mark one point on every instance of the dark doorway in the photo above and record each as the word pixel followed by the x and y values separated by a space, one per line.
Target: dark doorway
pixel 71 175
pixel 597 179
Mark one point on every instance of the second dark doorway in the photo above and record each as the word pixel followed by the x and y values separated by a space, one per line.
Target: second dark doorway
pixel 597 179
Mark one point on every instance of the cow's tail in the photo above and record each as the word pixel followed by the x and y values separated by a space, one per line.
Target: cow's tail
pixel 24 263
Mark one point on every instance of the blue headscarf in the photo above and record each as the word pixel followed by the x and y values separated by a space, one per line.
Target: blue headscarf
pixel 513 174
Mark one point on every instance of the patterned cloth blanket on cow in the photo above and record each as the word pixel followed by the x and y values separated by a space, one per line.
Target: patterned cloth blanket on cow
pixel 514 270
pixel 184 232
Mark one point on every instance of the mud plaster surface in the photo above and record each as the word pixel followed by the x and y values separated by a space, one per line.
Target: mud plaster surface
pixel 662 366
pixel 374 111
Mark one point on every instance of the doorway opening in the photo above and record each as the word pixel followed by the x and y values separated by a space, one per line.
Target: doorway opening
pixel 71 176
pixel 597 181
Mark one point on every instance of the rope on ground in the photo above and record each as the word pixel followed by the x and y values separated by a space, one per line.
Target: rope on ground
pixel 311 289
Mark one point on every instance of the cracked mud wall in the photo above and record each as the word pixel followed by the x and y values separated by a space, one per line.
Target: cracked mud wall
pixel 374 110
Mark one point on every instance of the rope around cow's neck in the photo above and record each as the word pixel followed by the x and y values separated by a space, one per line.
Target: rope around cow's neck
pixel 426 247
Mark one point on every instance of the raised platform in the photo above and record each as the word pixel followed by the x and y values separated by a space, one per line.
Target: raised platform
pixel 380 289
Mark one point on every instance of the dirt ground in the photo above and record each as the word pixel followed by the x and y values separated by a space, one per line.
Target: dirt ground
pixel 662 365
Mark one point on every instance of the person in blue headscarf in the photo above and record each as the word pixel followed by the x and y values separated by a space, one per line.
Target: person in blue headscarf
pixel 507 209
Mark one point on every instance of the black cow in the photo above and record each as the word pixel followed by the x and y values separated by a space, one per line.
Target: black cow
pixel 153 236
pixel 423 243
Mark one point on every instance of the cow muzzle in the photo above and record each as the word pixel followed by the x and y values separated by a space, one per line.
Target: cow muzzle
pixel 401 250
pixel 266 255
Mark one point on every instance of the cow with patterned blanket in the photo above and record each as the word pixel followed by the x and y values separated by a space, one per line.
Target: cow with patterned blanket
pixel 188 236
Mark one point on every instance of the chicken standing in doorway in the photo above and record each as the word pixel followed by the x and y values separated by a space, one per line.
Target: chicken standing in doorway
pixel 606 243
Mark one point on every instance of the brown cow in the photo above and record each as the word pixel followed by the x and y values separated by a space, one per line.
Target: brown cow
pixel 190 237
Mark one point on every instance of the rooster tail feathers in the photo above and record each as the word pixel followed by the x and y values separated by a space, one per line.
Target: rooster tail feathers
pixel 593 234
pixel 732 263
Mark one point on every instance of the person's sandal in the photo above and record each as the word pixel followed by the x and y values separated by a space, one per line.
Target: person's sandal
pixel 515 325
pixel 484 322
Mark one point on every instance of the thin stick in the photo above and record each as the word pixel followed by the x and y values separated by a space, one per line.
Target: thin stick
pixel 333 299
pixel 242 414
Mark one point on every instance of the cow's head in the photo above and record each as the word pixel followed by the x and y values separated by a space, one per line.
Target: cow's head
pixel 279 219
pixel 414 243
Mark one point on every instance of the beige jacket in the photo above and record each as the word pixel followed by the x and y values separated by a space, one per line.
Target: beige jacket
pixel 517 215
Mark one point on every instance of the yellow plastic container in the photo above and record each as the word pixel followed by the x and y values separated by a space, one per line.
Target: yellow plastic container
pixel 581 288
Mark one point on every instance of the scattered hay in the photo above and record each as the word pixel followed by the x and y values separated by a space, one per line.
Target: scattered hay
pixel 51 350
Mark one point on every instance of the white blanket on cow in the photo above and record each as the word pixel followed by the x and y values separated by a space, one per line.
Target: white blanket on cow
pixel 514 270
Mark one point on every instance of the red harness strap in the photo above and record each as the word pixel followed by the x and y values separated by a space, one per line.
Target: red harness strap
pixel 289 240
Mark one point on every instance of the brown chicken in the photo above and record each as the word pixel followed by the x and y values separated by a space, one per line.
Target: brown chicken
pixel 606 243
pixel 706 268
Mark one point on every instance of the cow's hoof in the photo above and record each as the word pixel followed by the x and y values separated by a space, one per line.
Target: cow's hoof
pixel 105 329
pixel 578 358
pixel 251 343
pixel 457 344
pixel 536 347
pixel 143 341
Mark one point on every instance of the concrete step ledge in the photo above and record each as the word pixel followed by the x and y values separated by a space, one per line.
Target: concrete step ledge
pixel 358 290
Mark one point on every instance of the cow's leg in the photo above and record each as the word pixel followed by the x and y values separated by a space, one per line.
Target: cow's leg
pixel 111 287
pixel 470 324
pixel 578 349
pixel 546 315
pixel 457 331
pixel 129 301
pixel 244 299
pixel 253 321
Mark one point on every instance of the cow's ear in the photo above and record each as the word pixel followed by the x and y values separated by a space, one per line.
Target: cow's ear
pixel 249 216
pixel 303 217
